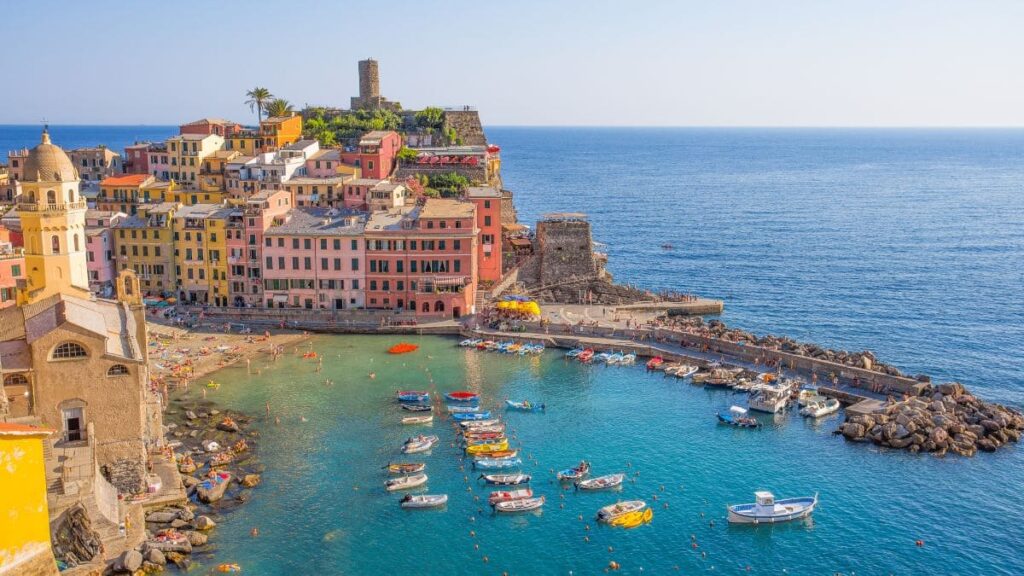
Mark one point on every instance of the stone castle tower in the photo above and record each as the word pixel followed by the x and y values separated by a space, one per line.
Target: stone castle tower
pixel 52 213
pixel 369 89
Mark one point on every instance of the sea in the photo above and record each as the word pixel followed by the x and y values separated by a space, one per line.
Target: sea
pixel 905 242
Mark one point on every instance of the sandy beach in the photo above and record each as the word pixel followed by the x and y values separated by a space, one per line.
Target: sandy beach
pixel 178 356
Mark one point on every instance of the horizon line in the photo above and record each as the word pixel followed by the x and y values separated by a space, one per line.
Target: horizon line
pixel 665 126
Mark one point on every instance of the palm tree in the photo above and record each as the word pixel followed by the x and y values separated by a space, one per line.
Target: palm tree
pixel 279 107
pixel 258 98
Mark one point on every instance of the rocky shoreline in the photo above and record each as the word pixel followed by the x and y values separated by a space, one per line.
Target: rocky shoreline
pixel 219 468
pixel 950 419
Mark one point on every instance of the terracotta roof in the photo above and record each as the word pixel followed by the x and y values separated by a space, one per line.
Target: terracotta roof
pixel 126 180
pixel 48 162
pixel 446 208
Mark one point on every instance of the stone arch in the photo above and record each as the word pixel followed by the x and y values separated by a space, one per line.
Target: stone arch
pixel 117 370
pixel 426 306
pixel 15 380
pixel 55 244
pixel 51 196
pixel 439 306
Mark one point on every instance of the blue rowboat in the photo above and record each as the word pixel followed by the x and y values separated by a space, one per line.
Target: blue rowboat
pixel 497 463
pixel 464 417
pixel 464 409
pixel 767 510
pixel 413 396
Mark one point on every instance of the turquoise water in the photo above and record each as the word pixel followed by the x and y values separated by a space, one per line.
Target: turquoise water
pixel 322 507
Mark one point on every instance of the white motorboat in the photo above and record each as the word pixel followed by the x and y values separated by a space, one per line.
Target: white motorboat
pixel 424 500
pixel 417 420
pixel 820 408
pixel 470 424
pixel 613 511
pixel 684 371
pixel 766 510
pixel 602 482
pixel 505 479
pixel 506 495
pixel 807 396
pixel 419 444
pixel 520 505
pixel 405 482
pixel 770 399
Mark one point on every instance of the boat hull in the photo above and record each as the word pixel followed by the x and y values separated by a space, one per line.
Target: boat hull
pixel 785 511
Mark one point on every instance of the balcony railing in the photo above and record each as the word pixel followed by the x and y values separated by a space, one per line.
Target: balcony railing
pixel 50 207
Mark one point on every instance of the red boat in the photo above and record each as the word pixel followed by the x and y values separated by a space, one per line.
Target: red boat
pixel 655 363
pixel 586 355
pixel 462 396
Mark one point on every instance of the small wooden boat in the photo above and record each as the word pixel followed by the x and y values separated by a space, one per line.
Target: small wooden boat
pixel 497 454
pixel 497 463
pixel 655 363
pixel 633 519
pixel 463 417
pixel 628 359
pixel 405 467
pixel 521 505
pixel 613 511
pixel 470 342
pixel 417 420
pixel 412 396
pixel 462 396
pixel 577 473
pixel 586 356
pixel 424 500
pixel 419 444
pixel 685 371
pixel 476 424
pixel 525 406
pixel 405 482
pixel 464 409
pixel 481 448
pixel 484 435
pixel 601 482
pixel 473 440
pixel 574 353
pixel 766 510
pixel 417 407
pixel 738 417
pixel 506 495
pixel 505 479
pixel 820 408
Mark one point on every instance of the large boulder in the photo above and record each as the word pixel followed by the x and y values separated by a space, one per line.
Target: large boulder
pixel 156 556
pixel 129 561
pixel 853 431
pixel 196 538
pixel 204 523
pixel 212 489
pixel 162 517
pixel 250 480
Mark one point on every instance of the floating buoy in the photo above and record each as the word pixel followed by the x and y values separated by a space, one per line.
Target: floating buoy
pixel 586 538
pixel 562 505
pixel 486 560
pixel 476 546
pixel 664 505
pixel 919 543
pixel 581 517
pixel 693 545
pixel 587 527
pixel 610 549
pixel 472 534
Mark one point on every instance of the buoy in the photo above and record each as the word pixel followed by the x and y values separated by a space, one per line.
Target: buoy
pixel 472 534
pixel 562 505
pixel 587 527
pixel 919 542
pixel 586 538
pixel 693 545
pixel 486 560
pixel 476 546
pixel 610 548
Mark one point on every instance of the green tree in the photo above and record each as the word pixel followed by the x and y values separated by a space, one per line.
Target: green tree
pixel 279 107
pixel 407 154
pixel 327 138
pixel 430 117
pixel 449 183
pixel 257 100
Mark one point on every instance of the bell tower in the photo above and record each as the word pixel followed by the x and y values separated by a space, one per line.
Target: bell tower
pixel 52 214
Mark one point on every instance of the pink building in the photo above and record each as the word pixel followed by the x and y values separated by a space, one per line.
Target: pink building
pixel 12 268
pixel 159 163
pixel 423 258
pixel 488 220
pixel 315 259
pixel 357 193
pixel 218 126
pixel 376 154
pixel 245 238
pixel 323 163
pixel 99 249
pixel 136 158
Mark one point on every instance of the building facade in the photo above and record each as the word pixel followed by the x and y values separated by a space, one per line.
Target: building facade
pixel 99 246
pixel 144 244
pixel 97 163
pixel 488 220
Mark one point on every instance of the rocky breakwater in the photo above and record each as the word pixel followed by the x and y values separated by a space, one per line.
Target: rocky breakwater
pixel 948 419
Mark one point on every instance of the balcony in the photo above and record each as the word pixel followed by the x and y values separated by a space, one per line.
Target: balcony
pixel 439 284
pixel 51 207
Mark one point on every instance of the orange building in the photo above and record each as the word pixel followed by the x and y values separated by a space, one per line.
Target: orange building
pixel 122 193
pixel 488 220
pixel 277 132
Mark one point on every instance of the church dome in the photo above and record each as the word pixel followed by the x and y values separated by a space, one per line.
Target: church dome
pixel 47 162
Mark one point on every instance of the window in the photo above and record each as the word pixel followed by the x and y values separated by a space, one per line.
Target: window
pixel 487 220
pixel 295 262
pixel 270 262
pixel 323 264
pixel 457 244
pixel 373 284
pixel 458 265
pixel 68 350
pixel 355 284
pixel 337 244
pixel 355 245
pixel 487 203
pixel 398 266
pixel 295 243
pixel 16 270
pixel 306 243
pixel 355 264
pixel 268 242
pixel 323 243
pixel 307 263
pixel 117 370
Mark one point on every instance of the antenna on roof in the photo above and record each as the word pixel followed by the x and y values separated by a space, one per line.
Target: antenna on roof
pixel 46 124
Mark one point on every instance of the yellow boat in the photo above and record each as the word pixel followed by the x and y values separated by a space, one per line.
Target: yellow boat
pixel 497 454
pixel 633 519
pixel 480 448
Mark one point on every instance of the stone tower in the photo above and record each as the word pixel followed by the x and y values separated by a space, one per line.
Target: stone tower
pixel 369 80
pixel 52 213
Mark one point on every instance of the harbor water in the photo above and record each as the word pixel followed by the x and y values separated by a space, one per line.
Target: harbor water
pixel 322 507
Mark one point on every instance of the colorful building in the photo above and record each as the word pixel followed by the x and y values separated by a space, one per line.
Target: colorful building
pixel 96 163
pixel 206 126
pixel 245 141
pixel 423 258
pixel 323 192
pixel 186 153
pixel 144 244
pixel 277 132
pixel 99 250
pixel 201 256
pixel 376 154
pixel 136 158
pixel 12 269
pixel 246 228
pixel 315 258
pixel 488 220
pixel 25 548
pixel 123 193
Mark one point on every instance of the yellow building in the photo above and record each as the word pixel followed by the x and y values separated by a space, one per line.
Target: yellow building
pixel 174 193
pixel 185 155
pixel 144 243
pixel 123 193
pixel 200 253
pixel 214 167
pixel 52 214
pixel 25 532
pixel 277 132
pixel 245 142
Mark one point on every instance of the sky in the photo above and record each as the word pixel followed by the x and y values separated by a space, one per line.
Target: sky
pixel 521 62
